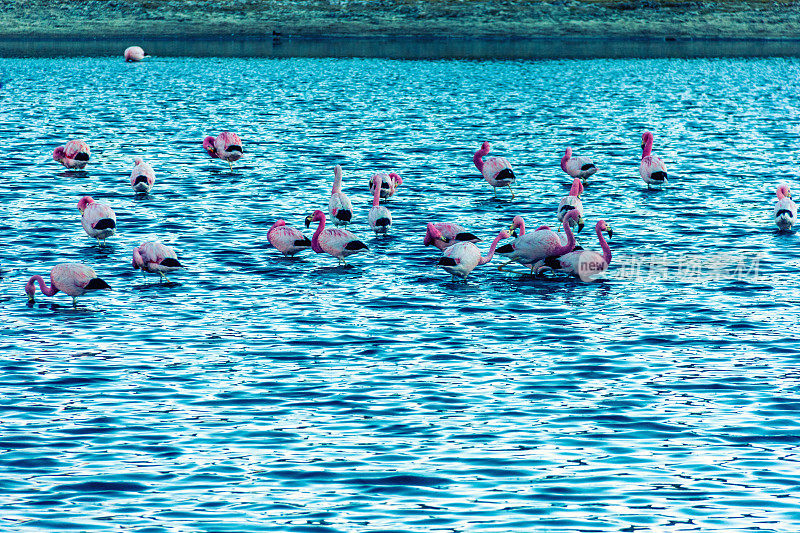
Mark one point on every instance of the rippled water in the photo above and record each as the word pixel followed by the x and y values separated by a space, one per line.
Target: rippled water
pixel 257 393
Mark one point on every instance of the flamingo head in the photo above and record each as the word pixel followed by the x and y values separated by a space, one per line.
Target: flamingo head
pixel 138 161
pixel 602 226
pixel 208 145
pixel 486 147
pixel 84 202
pixel 30 289
pixel 432 234
pixel 577 188
pixel 398 181
pixel 784 192
pixel 278 223
pixel 568 152
pixel 59 154
pixel 504 234
pixel 518 222
pixel 567 155
pixel 318 216
pixel 647 138
pixel 576 216
pixel 337 171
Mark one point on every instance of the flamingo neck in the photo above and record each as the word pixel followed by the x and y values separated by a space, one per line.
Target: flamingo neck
pixel 564 159
pixel 315 239
pixel 604 246
pixel 337 181
pixel 521 226
pixel 577 187
pixel 478 158
pixel 47 291
pixel 484 260
pixel 567 248
pixel 648 147
pixel 376 197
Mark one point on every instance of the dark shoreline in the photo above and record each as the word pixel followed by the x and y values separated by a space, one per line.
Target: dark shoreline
pixel 404 47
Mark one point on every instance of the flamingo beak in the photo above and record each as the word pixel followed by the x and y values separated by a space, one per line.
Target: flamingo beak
pixel 580 224
pixel 610 231
pixel 308 220
pixel 642 145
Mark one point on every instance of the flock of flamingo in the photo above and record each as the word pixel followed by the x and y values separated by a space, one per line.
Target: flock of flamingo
pixel 539 250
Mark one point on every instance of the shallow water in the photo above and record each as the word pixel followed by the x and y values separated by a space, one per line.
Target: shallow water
pixel 257 393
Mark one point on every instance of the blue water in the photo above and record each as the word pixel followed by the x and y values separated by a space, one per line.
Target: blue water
pixel 257 393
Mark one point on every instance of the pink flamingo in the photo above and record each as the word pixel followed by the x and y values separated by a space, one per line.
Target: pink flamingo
pixel 389 183
pixel 227 146
pixel 496 171
pixel 74 154
pixel 585 264
pixel 380 219
pixel 785 209
pixel 142 176
pixel 73 279
pixel 573 201
pixel 156 258
pixel 286 239
pixel 339 206
pixel 535 246
pixel 134 53
pixel 339 243
pixel 98 219
pixel 461 258
pixel 577 167
pixel 652 169
pixel 446 234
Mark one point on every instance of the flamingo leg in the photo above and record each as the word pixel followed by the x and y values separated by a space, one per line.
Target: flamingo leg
pixel 512 191
pixel 230 165
pixel 495 191
pixel 504 264
pixel 74 301
pixel 160 277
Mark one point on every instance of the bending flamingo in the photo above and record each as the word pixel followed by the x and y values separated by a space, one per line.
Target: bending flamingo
pixel 339 206
pixel 573 201
pixel 389 184
pixel 380 219
pixel 585 264
pixel 446 234
pixel 73 279
pixel 74 154
pixel 785 209
pixel 227 146
pixel 156 258
pixel 535 246
pixel 496 171
pixel 577 167
pixel 142 177
pixel 98 219
pixel 652 169
pixel 286 239
pixel 461 258
pixel 134 53
pixel 339 243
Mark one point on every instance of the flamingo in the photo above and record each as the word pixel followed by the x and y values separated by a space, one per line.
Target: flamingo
pixel 98 219
pixel 389 183
pixel 785 209
pixel 461 258
pixel 134 53
pixel 74 154
pixel 380 219
pixel 73 279
pixel 585 264
pixel 544 242
pixel 339 243
pixel 286 239
pixel 142 176
pixel 496 171
pixel 573 201
pixel 577 167
pixel 156 258
pixel 446 234
pixel 227 146
pixel 652 169
pixel 339 206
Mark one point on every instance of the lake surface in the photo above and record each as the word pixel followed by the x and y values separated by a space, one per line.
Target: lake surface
pixel 258 393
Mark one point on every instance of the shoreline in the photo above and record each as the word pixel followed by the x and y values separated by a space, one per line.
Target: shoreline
pixel 413 48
